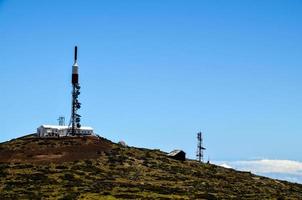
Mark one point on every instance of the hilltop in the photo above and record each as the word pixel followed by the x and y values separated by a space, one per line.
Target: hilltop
pixel 96 168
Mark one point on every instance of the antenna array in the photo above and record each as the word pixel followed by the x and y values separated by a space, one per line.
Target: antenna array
pixel 76 105
pixel 200 148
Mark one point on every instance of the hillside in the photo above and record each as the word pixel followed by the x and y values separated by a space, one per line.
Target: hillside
pixel 96 168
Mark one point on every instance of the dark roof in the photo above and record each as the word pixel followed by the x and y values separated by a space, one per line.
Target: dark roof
pixel 175 152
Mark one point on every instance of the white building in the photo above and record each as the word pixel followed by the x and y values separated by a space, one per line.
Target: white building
pixel 60 131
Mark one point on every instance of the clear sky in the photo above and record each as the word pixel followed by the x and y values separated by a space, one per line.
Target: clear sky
pixel 154 73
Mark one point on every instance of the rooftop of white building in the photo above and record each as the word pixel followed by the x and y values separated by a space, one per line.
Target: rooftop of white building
pixel 65 127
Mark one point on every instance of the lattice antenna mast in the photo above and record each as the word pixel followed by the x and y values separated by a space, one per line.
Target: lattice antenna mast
pixel 76 105
pixel 200 148
pixel 61 121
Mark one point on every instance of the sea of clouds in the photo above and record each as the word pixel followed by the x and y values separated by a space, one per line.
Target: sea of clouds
pixel 288 170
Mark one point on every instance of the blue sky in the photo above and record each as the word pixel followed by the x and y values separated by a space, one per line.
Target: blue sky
pixel 154 73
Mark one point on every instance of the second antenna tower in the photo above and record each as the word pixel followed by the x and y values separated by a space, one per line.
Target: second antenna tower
pixel 200 148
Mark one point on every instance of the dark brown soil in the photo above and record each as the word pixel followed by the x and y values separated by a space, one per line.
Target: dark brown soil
pixel 53 150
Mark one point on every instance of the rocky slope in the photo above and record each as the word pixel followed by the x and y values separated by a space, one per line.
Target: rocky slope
pixel 95 168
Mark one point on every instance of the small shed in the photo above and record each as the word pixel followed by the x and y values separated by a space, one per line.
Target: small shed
pixel 178 155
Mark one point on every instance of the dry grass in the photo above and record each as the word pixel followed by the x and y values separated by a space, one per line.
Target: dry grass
pixel 110 171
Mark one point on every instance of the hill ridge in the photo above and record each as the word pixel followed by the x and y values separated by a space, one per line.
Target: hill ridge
pixel 96 168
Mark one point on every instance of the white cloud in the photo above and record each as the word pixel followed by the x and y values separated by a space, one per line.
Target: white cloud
pixel 225 165
pixel 280 169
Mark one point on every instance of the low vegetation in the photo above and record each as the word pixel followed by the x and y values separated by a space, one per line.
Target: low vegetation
pixel 28 170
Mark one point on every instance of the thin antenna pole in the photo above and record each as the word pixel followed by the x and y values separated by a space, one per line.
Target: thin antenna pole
pixel 75 54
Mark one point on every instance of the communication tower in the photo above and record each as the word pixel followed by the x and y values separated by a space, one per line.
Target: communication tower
pixel 61 121
pixel 200 148
pixel 76 105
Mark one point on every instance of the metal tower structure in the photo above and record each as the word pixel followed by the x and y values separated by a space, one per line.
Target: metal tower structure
pixel 76 105
pixel 61 121
pixel 200 148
